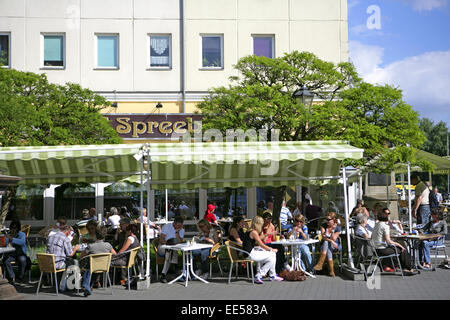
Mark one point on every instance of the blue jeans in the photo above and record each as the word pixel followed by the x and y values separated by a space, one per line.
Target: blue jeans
pixel 425 248
pixel 21 260
pixel 204 254
pixel 423 214
pixel 329 249
pixel 306 255
pixel 86 281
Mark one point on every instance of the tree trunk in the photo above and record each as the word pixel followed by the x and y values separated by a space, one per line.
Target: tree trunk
pixel 7 198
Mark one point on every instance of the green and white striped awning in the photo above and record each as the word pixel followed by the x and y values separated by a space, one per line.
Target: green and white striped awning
pixel 246 164
pixel 61 164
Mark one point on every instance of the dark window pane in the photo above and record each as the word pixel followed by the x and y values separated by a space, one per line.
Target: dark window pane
pixel 4 50
pixel 159 51
pixel 211 52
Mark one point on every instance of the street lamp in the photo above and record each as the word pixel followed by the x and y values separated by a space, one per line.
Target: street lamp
pixel 304 96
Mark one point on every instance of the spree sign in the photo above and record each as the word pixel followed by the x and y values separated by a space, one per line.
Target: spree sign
pixel 153 126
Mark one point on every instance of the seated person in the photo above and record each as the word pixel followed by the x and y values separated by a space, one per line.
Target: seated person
pixel 209 214
pixel 437 225
pixel 120 236
pixel 98 246
pixel 114 220
pixel 91 236
pixel 207 234
pixel 237 227
pixel 300 231
pixel 268 236
pixel 361 229
pixel 285 217
pixel 17 239
pixel 171 233
pixel 60 245
pixel 153 228
pixel 121 259
pixel 45 232
pixel 330 231
pixel 384 246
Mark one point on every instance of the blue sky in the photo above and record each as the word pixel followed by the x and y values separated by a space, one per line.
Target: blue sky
pixel 405 43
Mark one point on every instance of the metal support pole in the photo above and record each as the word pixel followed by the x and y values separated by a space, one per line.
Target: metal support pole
pixel 142 206
pixel 167 206
pixel 347 229
pixel 409 197
pixel 147 271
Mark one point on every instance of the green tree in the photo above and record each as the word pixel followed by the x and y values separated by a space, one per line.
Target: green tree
pixel 35 112
pixel 371 117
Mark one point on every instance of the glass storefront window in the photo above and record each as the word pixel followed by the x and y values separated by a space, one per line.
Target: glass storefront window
pixel 184 203
pixel 27 204
pixel 229 201
pixel 121 194
pixel 71 199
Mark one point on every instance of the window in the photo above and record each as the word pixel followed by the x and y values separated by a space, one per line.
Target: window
pixel 53 56
pixel 108 51
pixel 263 46
pixel 4 50
pixel 212 51
pixel 160 51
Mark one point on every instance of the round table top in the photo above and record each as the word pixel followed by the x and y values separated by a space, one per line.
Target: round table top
pixel 6 250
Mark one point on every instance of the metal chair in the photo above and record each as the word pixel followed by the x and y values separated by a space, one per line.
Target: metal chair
pixel 235 259
pixel 130 264
pixel 214 257
pixel 379 258
pixel 100 263
pixel 46 262
pixel 158 260
pixel 437 248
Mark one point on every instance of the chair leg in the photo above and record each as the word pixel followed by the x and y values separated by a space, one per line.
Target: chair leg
pixel 56 283
pixel 237 270
pixel 39 284
pixel 128 274
pixel 253 277
pixel 220 268
pixel 231 272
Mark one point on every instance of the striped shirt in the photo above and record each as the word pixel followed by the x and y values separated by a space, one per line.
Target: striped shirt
pixel 59 245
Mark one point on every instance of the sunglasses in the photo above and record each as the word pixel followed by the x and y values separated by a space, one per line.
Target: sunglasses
pixel 329 219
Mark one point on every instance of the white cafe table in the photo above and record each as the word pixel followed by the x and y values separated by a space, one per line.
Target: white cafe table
pixel 296 253
pixel 188 259
pixel 4 250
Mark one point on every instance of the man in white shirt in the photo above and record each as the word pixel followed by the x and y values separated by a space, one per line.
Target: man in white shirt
pixel 171 233
pixel 421 210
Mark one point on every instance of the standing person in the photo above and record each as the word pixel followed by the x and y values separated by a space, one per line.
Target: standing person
pixel 153 228
pixel 285 216
pixel 209 214
pixel 259 252
pixel 207 234
pixel 171 233
pixel 17 239
pixel 99 246
pixel 438 195
pixel 330 231
pixel 434 201
pixel 421 210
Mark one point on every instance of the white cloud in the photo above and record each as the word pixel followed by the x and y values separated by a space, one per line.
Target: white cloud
pixel 424 79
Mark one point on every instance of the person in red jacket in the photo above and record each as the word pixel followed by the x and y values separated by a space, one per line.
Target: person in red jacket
pixel 209 215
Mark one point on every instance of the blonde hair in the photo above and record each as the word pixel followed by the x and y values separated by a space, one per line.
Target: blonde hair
pixel 257 224
pixel 300 217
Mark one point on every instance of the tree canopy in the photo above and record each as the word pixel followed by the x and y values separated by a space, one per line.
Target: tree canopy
pixel 35 112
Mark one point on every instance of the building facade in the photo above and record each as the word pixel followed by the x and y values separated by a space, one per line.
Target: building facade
pixel 155 58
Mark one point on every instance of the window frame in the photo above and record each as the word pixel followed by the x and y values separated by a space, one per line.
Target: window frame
pixel 258 35
pixel 96 35
pixel 222 51
pixel 149 58
pixel 8 34
pixel 43 66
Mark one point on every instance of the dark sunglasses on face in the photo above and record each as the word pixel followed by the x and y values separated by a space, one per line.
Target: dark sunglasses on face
pixel 329 219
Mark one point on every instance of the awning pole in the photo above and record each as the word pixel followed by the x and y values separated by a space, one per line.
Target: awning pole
pixel 142 206
pixel 409 198
pixel 147 271
pixel 347 228
pixel 167 206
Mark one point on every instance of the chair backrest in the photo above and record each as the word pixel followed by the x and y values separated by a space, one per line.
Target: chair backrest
pixel 26 229
pixel 155 244
pixel 46 262
pixel 100 262
pixel 132 257
pixel 233 248
pixel 214 248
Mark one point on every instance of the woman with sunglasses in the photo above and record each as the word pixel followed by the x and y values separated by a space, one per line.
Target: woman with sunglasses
pixel 300 231
pixel 207 234
pixel 330 231
pixel 269 234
